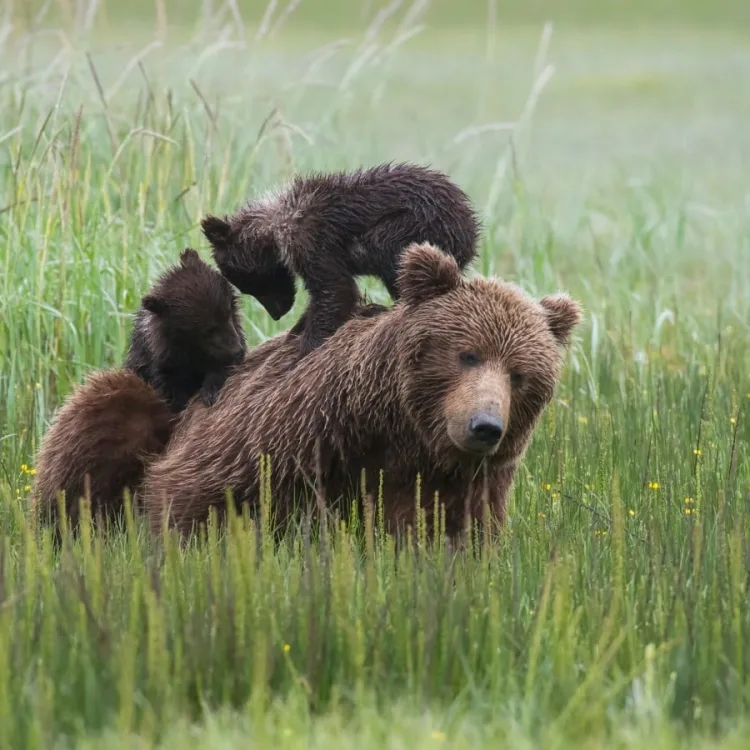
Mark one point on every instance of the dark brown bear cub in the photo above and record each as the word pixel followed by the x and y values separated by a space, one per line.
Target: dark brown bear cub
pixel 187 334
pixel 329 229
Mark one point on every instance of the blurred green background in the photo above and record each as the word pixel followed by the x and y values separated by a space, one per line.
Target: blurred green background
pixel 343 14
pixel 624 180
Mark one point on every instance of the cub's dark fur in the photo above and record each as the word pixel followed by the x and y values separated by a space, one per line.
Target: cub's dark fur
pixel 187 334
pixel 330 228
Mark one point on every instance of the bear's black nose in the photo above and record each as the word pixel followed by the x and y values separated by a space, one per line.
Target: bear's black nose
pixel 486 428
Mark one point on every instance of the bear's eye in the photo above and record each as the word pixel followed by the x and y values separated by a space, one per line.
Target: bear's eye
pixel 469 359
pixel 516 379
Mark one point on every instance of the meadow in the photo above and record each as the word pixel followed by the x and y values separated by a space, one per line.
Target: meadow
pixel 608 153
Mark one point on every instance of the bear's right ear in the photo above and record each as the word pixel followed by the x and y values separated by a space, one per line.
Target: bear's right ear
pixel 426 272
pixel 215 230
pixel 154 304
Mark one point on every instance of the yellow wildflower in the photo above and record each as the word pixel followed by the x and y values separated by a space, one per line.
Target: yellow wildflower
pixel 697 451
pixel 688 501
pixel 26 487
pixel 32 472
pixel 688 511
pixel 541 515
pixel 631 513
pixel 547 487
pixel 24 468
pixel 732 420
pixel 583 420
pixel 586 486
pixel 555 495
pixel 439 736
pixel 653 485
pixel 287 648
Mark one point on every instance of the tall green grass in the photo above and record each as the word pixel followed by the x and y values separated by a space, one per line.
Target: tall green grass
pixel 612 610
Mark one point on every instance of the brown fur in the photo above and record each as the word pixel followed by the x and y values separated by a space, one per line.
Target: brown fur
pixel 188 333
pixel 330 228
pixel 413 389
pixel 106 433
pixel 99 444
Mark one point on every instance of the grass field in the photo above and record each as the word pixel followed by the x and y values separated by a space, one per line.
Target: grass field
pixel 614 610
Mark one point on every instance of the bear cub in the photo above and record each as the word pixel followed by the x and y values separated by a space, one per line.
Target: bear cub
pixel 329 229
pixel 187 334
pixel 99 445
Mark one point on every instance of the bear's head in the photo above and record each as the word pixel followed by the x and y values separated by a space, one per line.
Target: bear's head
pixel 249 258
pixel 478 359
pixel 193 314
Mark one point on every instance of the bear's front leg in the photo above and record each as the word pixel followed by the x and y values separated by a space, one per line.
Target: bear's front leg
pixel 331 305
pixel 211 387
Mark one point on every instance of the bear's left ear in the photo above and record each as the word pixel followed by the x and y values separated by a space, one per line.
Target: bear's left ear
pixel 188 258
pixel 563 315
pixel 426 272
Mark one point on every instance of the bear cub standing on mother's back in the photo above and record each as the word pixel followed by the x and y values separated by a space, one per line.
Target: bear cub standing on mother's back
pixel 329 229
pixel 187 334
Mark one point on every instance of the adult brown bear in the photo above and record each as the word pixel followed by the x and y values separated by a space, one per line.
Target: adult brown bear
pixel 448 383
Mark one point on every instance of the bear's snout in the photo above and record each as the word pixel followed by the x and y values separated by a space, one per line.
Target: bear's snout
pixel 477 412
pixel 485 430
pixel 274 306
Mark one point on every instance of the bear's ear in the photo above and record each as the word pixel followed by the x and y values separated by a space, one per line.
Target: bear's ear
pixel 216 230
pixel 563 315
pixel 426 272
pixel 154 304
pixel 189 258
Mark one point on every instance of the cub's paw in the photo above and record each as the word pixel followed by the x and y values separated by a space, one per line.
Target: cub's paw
pixel 309 343
pixel 211 388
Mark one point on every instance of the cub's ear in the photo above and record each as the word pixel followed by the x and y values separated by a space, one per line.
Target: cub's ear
pixel 188 258
pixel 426 272
pixel 563 315
pixel 216 230
pixel 154 304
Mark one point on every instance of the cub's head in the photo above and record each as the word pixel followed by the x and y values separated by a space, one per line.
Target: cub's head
pixel 246 253
pixel 478 360
pixel 193 314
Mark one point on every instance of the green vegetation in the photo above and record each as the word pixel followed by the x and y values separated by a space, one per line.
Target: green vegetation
pixel 613 611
